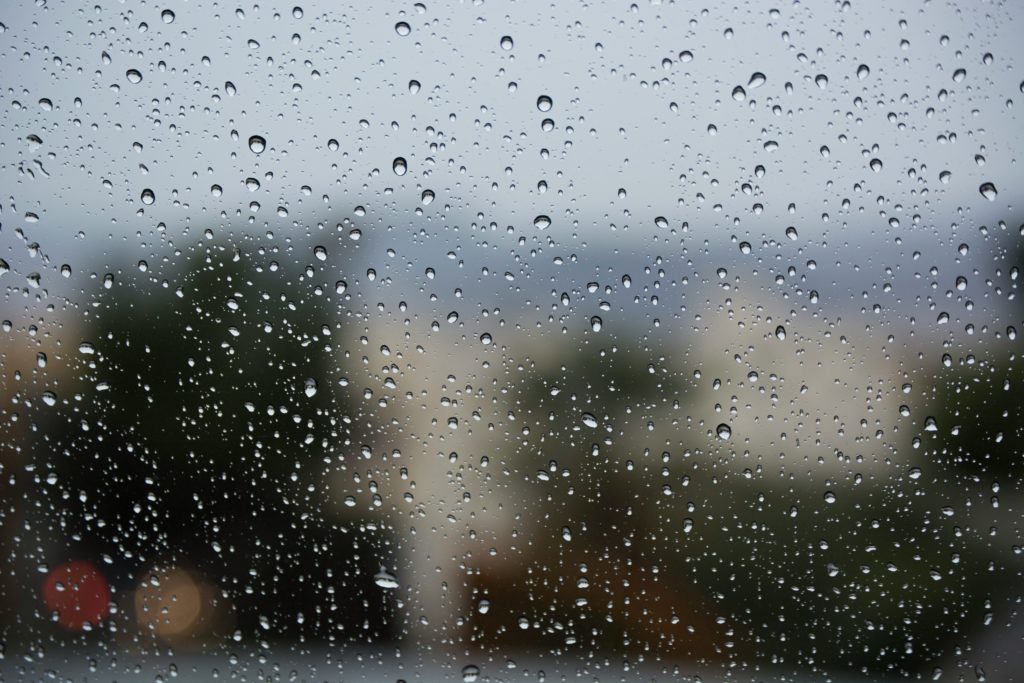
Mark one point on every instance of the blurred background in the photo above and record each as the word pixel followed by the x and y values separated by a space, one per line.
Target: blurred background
pixel 462 341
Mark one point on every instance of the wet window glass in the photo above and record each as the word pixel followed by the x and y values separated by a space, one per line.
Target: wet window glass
pixel 482 341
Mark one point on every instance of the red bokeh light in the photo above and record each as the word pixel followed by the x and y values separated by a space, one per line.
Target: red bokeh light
pixel 78 593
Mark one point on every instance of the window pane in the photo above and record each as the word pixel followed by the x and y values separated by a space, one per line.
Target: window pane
pixel 478 341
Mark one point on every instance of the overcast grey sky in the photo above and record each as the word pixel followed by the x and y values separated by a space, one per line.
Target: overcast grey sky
pixel 636 89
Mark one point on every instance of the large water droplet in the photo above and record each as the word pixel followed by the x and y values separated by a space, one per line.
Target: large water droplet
pixel 133 75
pixel 385 580
pixel 724 432
pixel 988 191
pixel 399 166
pixel 257 143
